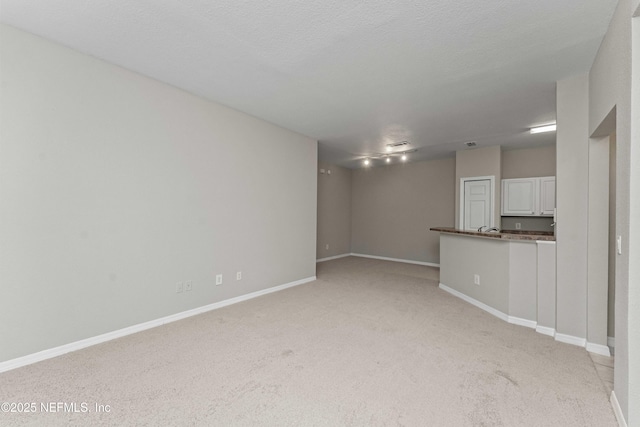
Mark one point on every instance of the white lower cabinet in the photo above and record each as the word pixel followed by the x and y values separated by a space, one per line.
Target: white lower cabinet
pixel 529 196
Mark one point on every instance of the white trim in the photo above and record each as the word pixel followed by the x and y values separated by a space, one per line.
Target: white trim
pixel 522 322
pixel 570 339
pixel 546 242
pixel 406 261
pixel 600 349
pixel 87 342
pixel 480 305
pixel 611 342
pixel 545 330
pixel 617 410
pixel 332 257
pixel 491 178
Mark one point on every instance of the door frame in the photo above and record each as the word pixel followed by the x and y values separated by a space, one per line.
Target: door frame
pixel 463 180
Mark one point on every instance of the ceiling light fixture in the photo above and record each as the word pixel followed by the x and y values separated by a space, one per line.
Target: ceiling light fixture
pixel 545 128
pixel 373 159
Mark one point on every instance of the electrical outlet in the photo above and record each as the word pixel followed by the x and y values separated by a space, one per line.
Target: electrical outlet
pixel 476 279
pixel 239 275
pixel 219 279
pixel 178 287
pixel 188 285
pixel 518 226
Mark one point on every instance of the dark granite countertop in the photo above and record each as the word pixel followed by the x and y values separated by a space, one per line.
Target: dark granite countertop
pixel 504 234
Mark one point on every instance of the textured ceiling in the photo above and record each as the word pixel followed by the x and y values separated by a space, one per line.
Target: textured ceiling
pixel 355 75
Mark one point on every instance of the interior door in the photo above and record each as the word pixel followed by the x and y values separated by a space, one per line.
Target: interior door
pixel 477 204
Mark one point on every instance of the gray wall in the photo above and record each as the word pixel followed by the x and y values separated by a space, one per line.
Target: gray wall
pixel 598 241
pixel 479 162
pixel 394 207
pixel 529 162
pixel 115 186
pixel 526 163
pixel 523 279
pixel 527 223
pixel 611 321
pixel 610 87
pixel 572 205
pixel 488 258
pixel 334 211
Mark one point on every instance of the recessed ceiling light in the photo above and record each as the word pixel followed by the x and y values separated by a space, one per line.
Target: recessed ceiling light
pixel 367 162
pixel 545 128
pixel 388 159
pixel 403 158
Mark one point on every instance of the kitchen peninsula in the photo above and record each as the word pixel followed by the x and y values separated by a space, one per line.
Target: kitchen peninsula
pixel 509 274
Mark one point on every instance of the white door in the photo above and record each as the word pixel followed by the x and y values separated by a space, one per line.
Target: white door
pixel 477 204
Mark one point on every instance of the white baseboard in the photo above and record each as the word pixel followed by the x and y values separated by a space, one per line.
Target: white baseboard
pixel 480 305
pixel 545 330
pixel 522 322
pixel 611 342
pixel 77 345
pixel 570 339
pixel 332 257
pixel 406 261
pixel 600 349
pixel 617 410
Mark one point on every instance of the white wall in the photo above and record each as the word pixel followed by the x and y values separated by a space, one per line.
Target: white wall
pixel 114 187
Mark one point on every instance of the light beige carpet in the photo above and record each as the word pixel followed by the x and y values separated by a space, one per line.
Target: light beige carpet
pixel 369 343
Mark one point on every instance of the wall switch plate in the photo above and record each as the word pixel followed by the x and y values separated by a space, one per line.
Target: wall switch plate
pixel 329 171
pixel 326 247
pixel 518 226
pixel 239 275
pixel 188 285
pixel 178 287
pixel 321 170
pixel 476 279
pixel 218 279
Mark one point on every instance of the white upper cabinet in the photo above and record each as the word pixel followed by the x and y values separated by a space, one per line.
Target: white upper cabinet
pixel 529 196
pixel 547 195
pixel 519 196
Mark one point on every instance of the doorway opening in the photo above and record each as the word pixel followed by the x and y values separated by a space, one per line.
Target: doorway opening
pixel 602 248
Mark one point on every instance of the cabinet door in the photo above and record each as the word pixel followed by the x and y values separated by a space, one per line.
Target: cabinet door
pixel 547 195
pixel 519 196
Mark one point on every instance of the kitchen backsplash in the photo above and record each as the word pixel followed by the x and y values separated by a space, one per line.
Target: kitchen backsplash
pixel 527 223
